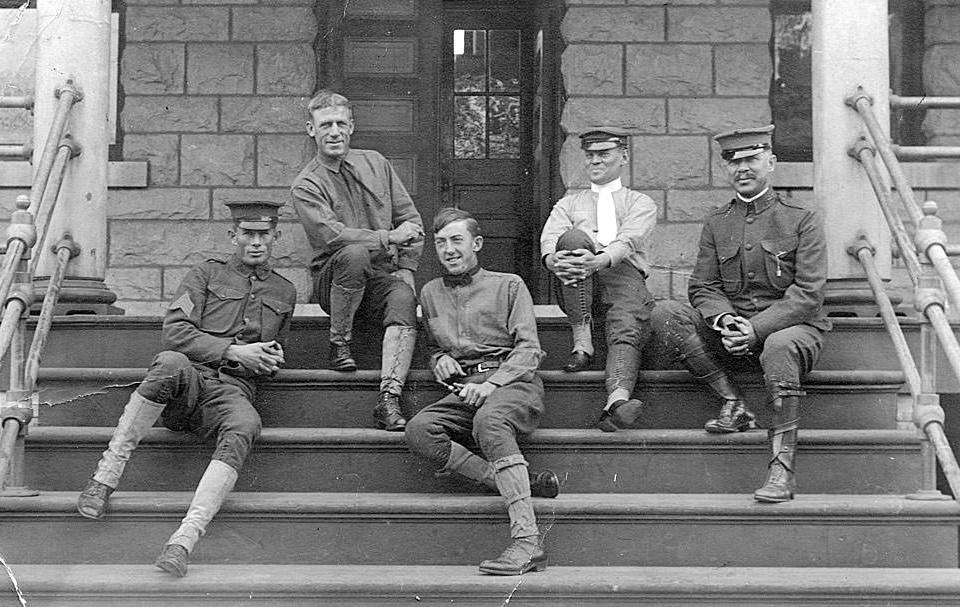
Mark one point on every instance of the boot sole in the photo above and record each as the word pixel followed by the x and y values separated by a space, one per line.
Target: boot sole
pixel 729 429
pixel 766 499
pixel 171 568
pixel 391 428
pixel 532 566
pixel 91 516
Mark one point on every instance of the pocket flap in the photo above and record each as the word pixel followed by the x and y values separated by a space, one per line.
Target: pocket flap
pixel 225 292
pixel 728 251
pixel 780 246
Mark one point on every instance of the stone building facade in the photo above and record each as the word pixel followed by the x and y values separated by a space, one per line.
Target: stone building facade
pixel 212 93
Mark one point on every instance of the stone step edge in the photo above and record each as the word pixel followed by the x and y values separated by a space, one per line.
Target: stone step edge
pixel 248 582
pixel 569 507
pixel 816 381
pixel 634 440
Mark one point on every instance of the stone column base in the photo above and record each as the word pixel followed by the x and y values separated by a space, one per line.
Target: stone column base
pixel 78 296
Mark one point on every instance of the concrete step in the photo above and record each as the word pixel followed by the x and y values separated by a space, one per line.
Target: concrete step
pixel 132 341
pixel 318 398
pixel 663 530
pixel 436 586
pixel 587 461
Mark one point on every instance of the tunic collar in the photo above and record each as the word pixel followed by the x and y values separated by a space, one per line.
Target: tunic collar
pixel 611 186
pixel 262 271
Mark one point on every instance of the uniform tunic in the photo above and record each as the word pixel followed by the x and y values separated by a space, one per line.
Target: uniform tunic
pixel 489 319
pixel 218 304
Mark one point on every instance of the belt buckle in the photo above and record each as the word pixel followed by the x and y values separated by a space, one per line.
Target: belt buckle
pixel 480 368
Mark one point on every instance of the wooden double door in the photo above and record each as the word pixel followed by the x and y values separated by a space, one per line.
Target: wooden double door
pixel 453 93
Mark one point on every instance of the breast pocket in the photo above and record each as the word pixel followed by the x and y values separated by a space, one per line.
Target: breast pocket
pixel 272 315
pixel 222 310
pixel 780 260
pixel 728 257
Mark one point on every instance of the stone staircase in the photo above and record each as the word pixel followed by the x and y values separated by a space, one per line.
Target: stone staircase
pixel 331 511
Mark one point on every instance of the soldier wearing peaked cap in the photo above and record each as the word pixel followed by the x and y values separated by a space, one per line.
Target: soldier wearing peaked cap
pixel 222 334
pixel 757 296
pixel 595 243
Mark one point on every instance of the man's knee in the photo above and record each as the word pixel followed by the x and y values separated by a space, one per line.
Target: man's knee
pixel 163 376
pixel 670 321
pixel 426 439
pixel 494 433
pixel 350 261
pixel 574 239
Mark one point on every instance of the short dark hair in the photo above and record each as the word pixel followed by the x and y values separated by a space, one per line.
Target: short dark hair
pixel 448 215
pixel 326 98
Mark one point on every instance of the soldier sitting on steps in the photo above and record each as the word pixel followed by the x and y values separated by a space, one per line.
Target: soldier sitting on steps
pixel 223 332
pixel 757 296
pixel 482 327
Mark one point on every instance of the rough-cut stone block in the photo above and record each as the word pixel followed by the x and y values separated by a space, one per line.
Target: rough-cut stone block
pixel 162 152
pixel 592 69
pixel 941 24
pixel 668 69
pixel 187 243
pixel 743 69
pixel 715 24
pixel 658 282
pixel 679 283
pixel 220 68
pixel 152 68
pixel 134 283
pixel 712 116
pixel 217 160
pixel 180 24
pixel 166 114
pixel 612 25
pixel 636 115
pixel 221 196
pixel 941 70
pixel 159 203
pixel 670 162
pixel 947 140
pixel 270 24
pixel 694 205
pixel 301 279
pixel 263 114
pixel 674 245
pixel 280 158
pixel 172 277
pixel 286 69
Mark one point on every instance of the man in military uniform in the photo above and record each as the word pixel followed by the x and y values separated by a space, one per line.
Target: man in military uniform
pixel 757 296
pixel 367 238
pixel 594 242
pixel 483 332
pixel 222 334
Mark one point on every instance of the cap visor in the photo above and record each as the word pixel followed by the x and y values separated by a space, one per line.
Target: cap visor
pixel 737 155
pixel 255 225
pixel 599 146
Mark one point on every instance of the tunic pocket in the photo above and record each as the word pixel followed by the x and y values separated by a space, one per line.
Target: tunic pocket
pixel 728 258
pixel 780 260
pixel 222 310
pixel 272 315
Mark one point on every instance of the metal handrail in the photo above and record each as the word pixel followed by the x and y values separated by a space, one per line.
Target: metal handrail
pixel 14 101
pixel 65 250
pixel 68 94
pixel 925 152
pixel 16 150
pixel 924 103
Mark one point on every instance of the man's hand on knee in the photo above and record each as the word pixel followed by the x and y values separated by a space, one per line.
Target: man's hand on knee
pixel 738 336
pixel 476 394
pixel 261 358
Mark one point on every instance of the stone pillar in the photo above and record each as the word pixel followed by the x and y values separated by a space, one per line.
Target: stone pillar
pixel 850 48
pixel 73 41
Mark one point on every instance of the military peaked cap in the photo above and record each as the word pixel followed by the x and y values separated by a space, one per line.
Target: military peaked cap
pixel 254 214
pixel 743 143
pixel 604 138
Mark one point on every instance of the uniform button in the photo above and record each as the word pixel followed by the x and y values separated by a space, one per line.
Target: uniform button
pixel 749 220
pixel 252 296
pixel 751 274
pixel 748 246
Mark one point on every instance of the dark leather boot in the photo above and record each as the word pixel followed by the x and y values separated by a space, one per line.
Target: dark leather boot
pixel 93 500
pixel 734 417
pixel 578 361
pixel 781 484
pixel 173 559
pixel 341 359
pixel 388 414
pixel 544 484
pixel 622 414
pixel 524 554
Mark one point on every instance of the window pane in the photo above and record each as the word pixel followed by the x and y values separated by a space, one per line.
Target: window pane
pixel 505 61
pixel 469 60
pixel 504 127
pixel 470 125
pixel 791 103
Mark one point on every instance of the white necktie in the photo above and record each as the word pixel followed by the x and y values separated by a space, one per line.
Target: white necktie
pixel 606 211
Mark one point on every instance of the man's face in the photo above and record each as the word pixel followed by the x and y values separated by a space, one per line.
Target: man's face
pixel 749 176
pixel 331 128
pixel 254 247
pixel 456 247
pixel 603 166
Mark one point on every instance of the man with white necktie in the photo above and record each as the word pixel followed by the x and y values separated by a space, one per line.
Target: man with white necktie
pixel 594 242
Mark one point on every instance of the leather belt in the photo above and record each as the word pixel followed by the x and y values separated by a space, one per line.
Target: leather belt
pixel 480 367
